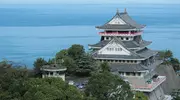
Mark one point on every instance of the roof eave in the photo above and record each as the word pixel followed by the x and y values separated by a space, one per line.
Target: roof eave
pixel 118 29
pixel 117 58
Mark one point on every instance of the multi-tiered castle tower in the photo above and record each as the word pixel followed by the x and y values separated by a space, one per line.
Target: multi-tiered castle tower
pixel 122 46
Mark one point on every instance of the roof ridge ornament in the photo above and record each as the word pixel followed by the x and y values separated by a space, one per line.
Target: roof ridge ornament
pixel 117 10
pixel 125 10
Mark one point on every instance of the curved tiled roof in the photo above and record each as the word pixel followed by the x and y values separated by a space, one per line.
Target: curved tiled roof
pixel 53 66
pixel 129 44
pixel 130 23
pixel 127 67
pixel 140 55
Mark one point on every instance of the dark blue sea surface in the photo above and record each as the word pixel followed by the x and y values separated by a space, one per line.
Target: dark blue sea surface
pixel 31 31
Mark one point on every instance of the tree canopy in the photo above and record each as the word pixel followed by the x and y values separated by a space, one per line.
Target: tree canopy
pixel 166 55
pixel 38 65
pixel 16 84
pixel 85 65
pixel 104 67
pixel 77 61
pixel 140 96
pixel 76 51
pixel 106 86
pixel 168 58
pixel 176 94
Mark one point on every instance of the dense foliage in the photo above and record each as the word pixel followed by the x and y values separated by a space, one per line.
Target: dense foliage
pixel 77 61
pixel 37 66
pixel 168 58
pixel 176 94
pixel 140 96
pixel 106 86
pixel 104 67
pixel 16 84
pixel 166 55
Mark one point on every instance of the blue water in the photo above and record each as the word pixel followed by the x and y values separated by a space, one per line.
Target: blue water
pixel 31 31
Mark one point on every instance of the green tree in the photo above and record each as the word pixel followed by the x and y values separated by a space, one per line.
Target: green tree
pixel 70 64
pixel 105 67
pixel 175 63
pixel 176 94
pixel 77 61
pixel 140 96
pixel 3 66
pixel 106 86
pixel 62 54
pixel 51 61
pixel 168 58
pixel 17 87
pixel 85 65
pixel 66 60
pixel 50 89
pixel 38 65
pixel 76 51
pixel 166 55
pixel 11 82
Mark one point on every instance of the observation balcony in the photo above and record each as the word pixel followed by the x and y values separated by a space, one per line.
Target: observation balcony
pixel 120 33
pixel 151 86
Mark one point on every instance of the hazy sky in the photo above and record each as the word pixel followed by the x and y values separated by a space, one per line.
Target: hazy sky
pixel 87 1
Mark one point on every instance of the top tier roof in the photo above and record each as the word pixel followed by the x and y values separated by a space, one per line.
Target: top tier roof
pixel 121 21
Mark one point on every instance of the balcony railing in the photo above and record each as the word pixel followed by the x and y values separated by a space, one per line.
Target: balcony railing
pixel 120 33
pixel 150 87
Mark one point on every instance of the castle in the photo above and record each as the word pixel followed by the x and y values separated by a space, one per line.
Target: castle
pixel 122 46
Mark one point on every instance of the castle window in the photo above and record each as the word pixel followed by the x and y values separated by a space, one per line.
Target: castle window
pixel 122 73
pixel 121 38
pixel 109 49
pixel 112 49
pixel 127 38
pixel 107 38
pixel 139 74
pixel 128 73
pixel 134 74
pixel 51 73
pixel 119 49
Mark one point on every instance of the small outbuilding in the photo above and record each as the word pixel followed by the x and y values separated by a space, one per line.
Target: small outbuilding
pixel 53 70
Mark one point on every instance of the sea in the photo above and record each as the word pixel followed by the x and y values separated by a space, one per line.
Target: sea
pixel 31 31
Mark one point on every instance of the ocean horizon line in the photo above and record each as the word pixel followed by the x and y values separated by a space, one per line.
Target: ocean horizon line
pixel 128 3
